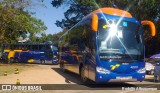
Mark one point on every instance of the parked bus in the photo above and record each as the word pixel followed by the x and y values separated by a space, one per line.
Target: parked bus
pixel 105 46
pixel 31 53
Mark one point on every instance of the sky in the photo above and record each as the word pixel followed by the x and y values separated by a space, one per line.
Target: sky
pixel 49 15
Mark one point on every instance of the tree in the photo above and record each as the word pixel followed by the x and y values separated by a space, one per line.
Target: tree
pixel 52 38
pixel 140 9
pixel 80 8
pixel 55 37
pixel 16 20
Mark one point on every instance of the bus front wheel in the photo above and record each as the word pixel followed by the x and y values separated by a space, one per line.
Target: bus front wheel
pixel 83 77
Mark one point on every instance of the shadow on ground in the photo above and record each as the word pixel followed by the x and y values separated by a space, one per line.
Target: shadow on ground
pixel 74 78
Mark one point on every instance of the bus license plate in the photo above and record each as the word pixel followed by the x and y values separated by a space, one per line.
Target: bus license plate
pixel 124 78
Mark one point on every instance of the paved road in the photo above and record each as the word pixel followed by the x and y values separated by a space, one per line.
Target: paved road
pixel 68 82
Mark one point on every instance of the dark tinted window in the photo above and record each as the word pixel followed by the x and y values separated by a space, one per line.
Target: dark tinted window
pixel 34 47
pixel 41 47
pixel 48 47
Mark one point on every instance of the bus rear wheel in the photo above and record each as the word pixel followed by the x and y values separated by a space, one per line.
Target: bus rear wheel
pixel 82 73
pixel 42 61
pixel 11 60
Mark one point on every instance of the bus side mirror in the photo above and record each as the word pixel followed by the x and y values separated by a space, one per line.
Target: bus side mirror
pixel 94 22
pixel 151 25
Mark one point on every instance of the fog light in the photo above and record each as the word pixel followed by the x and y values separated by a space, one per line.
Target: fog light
pixel 102 70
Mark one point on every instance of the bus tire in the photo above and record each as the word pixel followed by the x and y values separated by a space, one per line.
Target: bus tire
pixel 156 79
pixel 11 60
pixel 42 61
pixel 82 74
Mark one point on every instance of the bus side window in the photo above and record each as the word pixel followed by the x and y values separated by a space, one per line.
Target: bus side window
pixel 12 47
pixel 35 47
pixel 41 47
pixel 29 47
pixel 24 48
pixel 48 47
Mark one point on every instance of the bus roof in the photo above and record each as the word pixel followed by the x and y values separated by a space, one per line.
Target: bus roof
pixel 113 11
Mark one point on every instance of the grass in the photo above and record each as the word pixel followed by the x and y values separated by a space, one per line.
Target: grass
pixel 10 68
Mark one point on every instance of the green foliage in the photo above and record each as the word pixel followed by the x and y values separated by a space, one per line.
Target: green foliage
pixel 50 38
pixel 140 9
pixel 16 20
pixel 55 37
pixel 43 38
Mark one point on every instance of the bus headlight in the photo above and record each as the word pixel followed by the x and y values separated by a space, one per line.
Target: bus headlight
pixel 142 70
pixel 102 70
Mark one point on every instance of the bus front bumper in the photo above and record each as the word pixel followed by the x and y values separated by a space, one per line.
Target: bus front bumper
pixel 113 77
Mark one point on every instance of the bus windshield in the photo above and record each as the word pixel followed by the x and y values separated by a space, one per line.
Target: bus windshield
pixel 120 40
